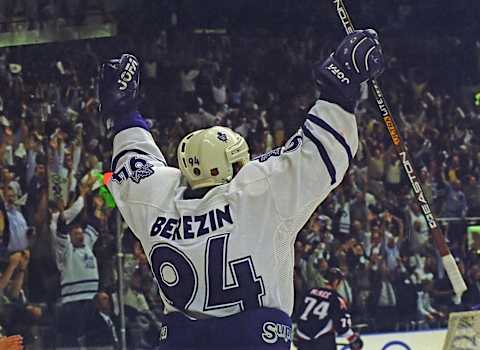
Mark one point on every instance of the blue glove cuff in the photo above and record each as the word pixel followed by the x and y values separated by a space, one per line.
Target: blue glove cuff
pixel 131 120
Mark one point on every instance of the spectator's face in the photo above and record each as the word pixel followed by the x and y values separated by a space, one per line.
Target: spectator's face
pixel 359 196
pixel 68 161
pixel 308 248
pixel 323 265
pixel 98 202
pixel 391 243
pixel 315 226
pixel 471 180
pixel 136 282
pixel 103 303
pixel 40 170
pixel 358 249
pixel 455 161
pixel 375 237
pixel 77 237
pixel 356 226
pixel 9 196
pixel 7 176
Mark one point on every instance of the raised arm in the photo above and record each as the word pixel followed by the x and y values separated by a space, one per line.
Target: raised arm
pixel 314 161
pixel 136 158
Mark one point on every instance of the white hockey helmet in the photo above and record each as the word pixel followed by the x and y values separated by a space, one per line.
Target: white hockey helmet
pixel 206 157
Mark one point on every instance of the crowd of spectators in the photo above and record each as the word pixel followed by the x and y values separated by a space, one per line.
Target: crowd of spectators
pixel 58 235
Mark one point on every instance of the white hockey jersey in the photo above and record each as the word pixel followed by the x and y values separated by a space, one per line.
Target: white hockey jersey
pixel 233 249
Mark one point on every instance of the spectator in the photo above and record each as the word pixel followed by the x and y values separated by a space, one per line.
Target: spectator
pixel 18 240
pixel 359 209
pixel 455 206
pixel 392 254
pixel 101 331
pixel 406 290
pixel 19 315
pixel 472 193
pixel 79 279
pixel 424 304
pixel 4 226
pixel 471 297
pixel 143 324
pixel 419 226
pixel 384 298
pixel 187 80
pixel 37 190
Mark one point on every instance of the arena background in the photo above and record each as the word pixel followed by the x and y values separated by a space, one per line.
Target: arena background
pixel 247 65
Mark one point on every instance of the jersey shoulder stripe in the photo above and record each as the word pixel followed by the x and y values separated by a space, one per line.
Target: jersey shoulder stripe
pixel 119 156
pixel 324 125
pixel 323 154
pixel 91 231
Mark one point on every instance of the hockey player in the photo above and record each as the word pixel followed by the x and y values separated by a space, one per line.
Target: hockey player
pixel 221 247
pixel 323 315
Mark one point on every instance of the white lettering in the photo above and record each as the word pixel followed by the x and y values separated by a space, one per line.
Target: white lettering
pixel 272 332
pixel 338 74
pixel 269 334
pixel 342 13
pixel 128 73
pixel 417 188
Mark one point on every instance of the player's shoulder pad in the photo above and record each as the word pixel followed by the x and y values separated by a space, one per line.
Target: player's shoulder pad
pixel 251 178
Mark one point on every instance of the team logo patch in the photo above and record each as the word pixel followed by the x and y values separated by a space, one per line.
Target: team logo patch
pixel 222 136
pixel 141 169
pixel 136 169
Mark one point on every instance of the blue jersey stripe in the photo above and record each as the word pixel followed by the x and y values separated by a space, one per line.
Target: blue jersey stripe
pixel 323 153
pixel 81 292
pixel 78 282
pixel 324 125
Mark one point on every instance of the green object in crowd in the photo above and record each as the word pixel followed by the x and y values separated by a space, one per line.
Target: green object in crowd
pixel 103 190
pixel 477 99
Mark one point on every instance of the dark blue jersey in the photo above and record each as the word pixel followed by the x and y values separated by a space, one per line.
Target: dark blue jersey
pixel 323 311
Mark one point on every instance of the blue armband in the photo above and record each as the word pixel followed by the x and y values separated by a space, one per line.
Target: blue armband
pixel 130 120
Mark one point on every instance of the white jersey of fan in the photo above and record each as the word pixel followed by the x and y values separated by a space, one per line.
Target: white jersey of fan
pixel 233 249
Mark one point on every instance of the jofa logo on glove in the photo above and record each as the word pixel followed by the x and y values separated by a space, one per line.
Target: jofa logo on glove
pixel 128 73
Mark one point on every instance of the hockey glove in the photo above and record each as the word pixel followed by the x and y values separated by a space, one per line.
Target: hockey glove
pixel 118 88
pixel 356 342
pixel 358 58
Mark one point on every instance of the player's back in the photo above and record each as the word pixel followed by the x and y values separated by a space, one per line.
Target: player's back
pixel 222 253
pixel 318 312
pixel 225 253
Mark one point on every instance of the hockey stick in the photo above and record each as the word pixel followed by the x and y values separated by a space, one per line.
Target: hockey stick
pixel 448 261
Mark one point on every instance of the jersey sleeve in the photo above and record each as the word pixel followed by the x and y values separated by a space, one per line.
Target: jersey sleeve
pixel 141 180
pixel 341 318
pixel 61 239
pixel 299 175
pixel 91 235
